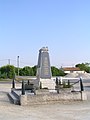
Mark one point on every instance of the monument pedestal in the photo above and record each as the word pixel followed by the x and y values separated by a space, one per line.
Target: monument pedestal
pixel 47 83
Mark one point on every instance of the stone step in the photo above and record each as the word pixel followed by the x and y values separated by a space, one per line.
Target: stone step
pixel 15 93
pixel 14 99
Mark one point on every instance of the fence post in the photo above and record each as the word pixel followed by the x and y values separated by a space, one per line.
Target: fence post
pixel 58 90
pixel 23 88
pixel 81 85
pixel 57 81
pixel 13 82
pixel 28 82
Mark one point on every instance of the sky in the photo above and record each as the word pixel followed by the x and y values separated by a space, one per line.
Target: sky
pixel 61 25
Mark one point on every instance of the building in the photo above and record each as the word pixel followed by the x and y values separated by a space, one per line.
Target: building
pixel 72 70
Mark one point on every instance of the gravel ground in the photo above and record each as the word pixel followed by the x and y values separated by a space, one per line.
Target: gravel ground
pixel 61 111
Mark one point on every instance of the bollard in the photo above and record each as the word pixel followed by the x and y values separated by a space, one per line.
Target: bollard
pixel 23 88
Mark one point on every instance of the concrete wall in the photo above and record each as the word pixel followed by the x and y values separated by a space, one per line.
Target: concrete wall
pixel 51 98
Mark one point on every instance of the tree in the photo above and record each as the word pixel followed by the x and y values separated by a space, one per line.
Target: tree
pixel 27 71
pixel 57 72
pixel 34 70
pixel 81 66
pixel 84 66
pixel 7 71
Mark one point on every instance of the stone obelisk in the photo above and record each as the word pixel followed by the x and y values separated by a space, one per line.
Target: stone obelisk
pixel 44 69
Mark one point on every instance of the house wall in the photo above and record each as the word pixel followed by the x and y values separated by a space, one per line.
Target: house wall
pixel 74 71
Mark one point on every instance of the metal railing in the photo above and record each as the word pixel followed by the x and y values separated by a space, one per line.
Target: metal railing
pixel 27 85
pixel 67 83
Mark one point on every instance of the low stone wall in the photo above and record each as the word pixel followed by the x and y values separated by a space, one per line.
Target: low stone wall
pixel 51 98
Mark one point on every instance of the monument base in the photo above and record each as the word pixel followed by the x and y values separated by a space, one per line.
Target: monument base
pixel 47 83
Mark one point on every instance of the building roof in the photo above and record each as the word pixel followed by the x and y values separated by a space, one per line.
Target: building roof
pixel 71 69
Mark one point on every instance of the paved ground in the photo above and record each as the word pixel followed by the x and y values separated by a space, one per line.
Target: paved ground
pixel 60 111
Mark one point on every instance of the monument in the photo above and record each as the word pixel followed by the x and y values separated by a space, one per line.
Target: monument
pixel 29 94
pixel 44 74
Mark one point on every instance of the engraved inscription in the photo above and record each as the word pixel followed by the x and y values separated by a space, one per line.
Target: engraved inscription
pixel 45 65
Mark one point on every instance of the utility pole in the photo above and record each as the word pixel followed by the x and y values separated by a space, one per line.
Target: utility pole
pixel 18 64
pixel 9 61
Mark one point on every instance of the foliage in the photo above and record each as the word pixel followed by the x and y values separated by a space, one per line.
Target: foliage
pixel 57 72
pixel 34 70
pixel 84 66
pixel 27 71
pixel 9 71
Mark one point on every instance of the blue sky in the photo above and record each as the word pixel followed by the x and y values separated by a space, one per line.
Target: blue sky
pixel 28 25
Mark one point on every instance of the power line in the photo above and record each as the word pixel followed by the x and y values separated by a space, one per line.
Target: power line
pixel 14 62
pixel 3 59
